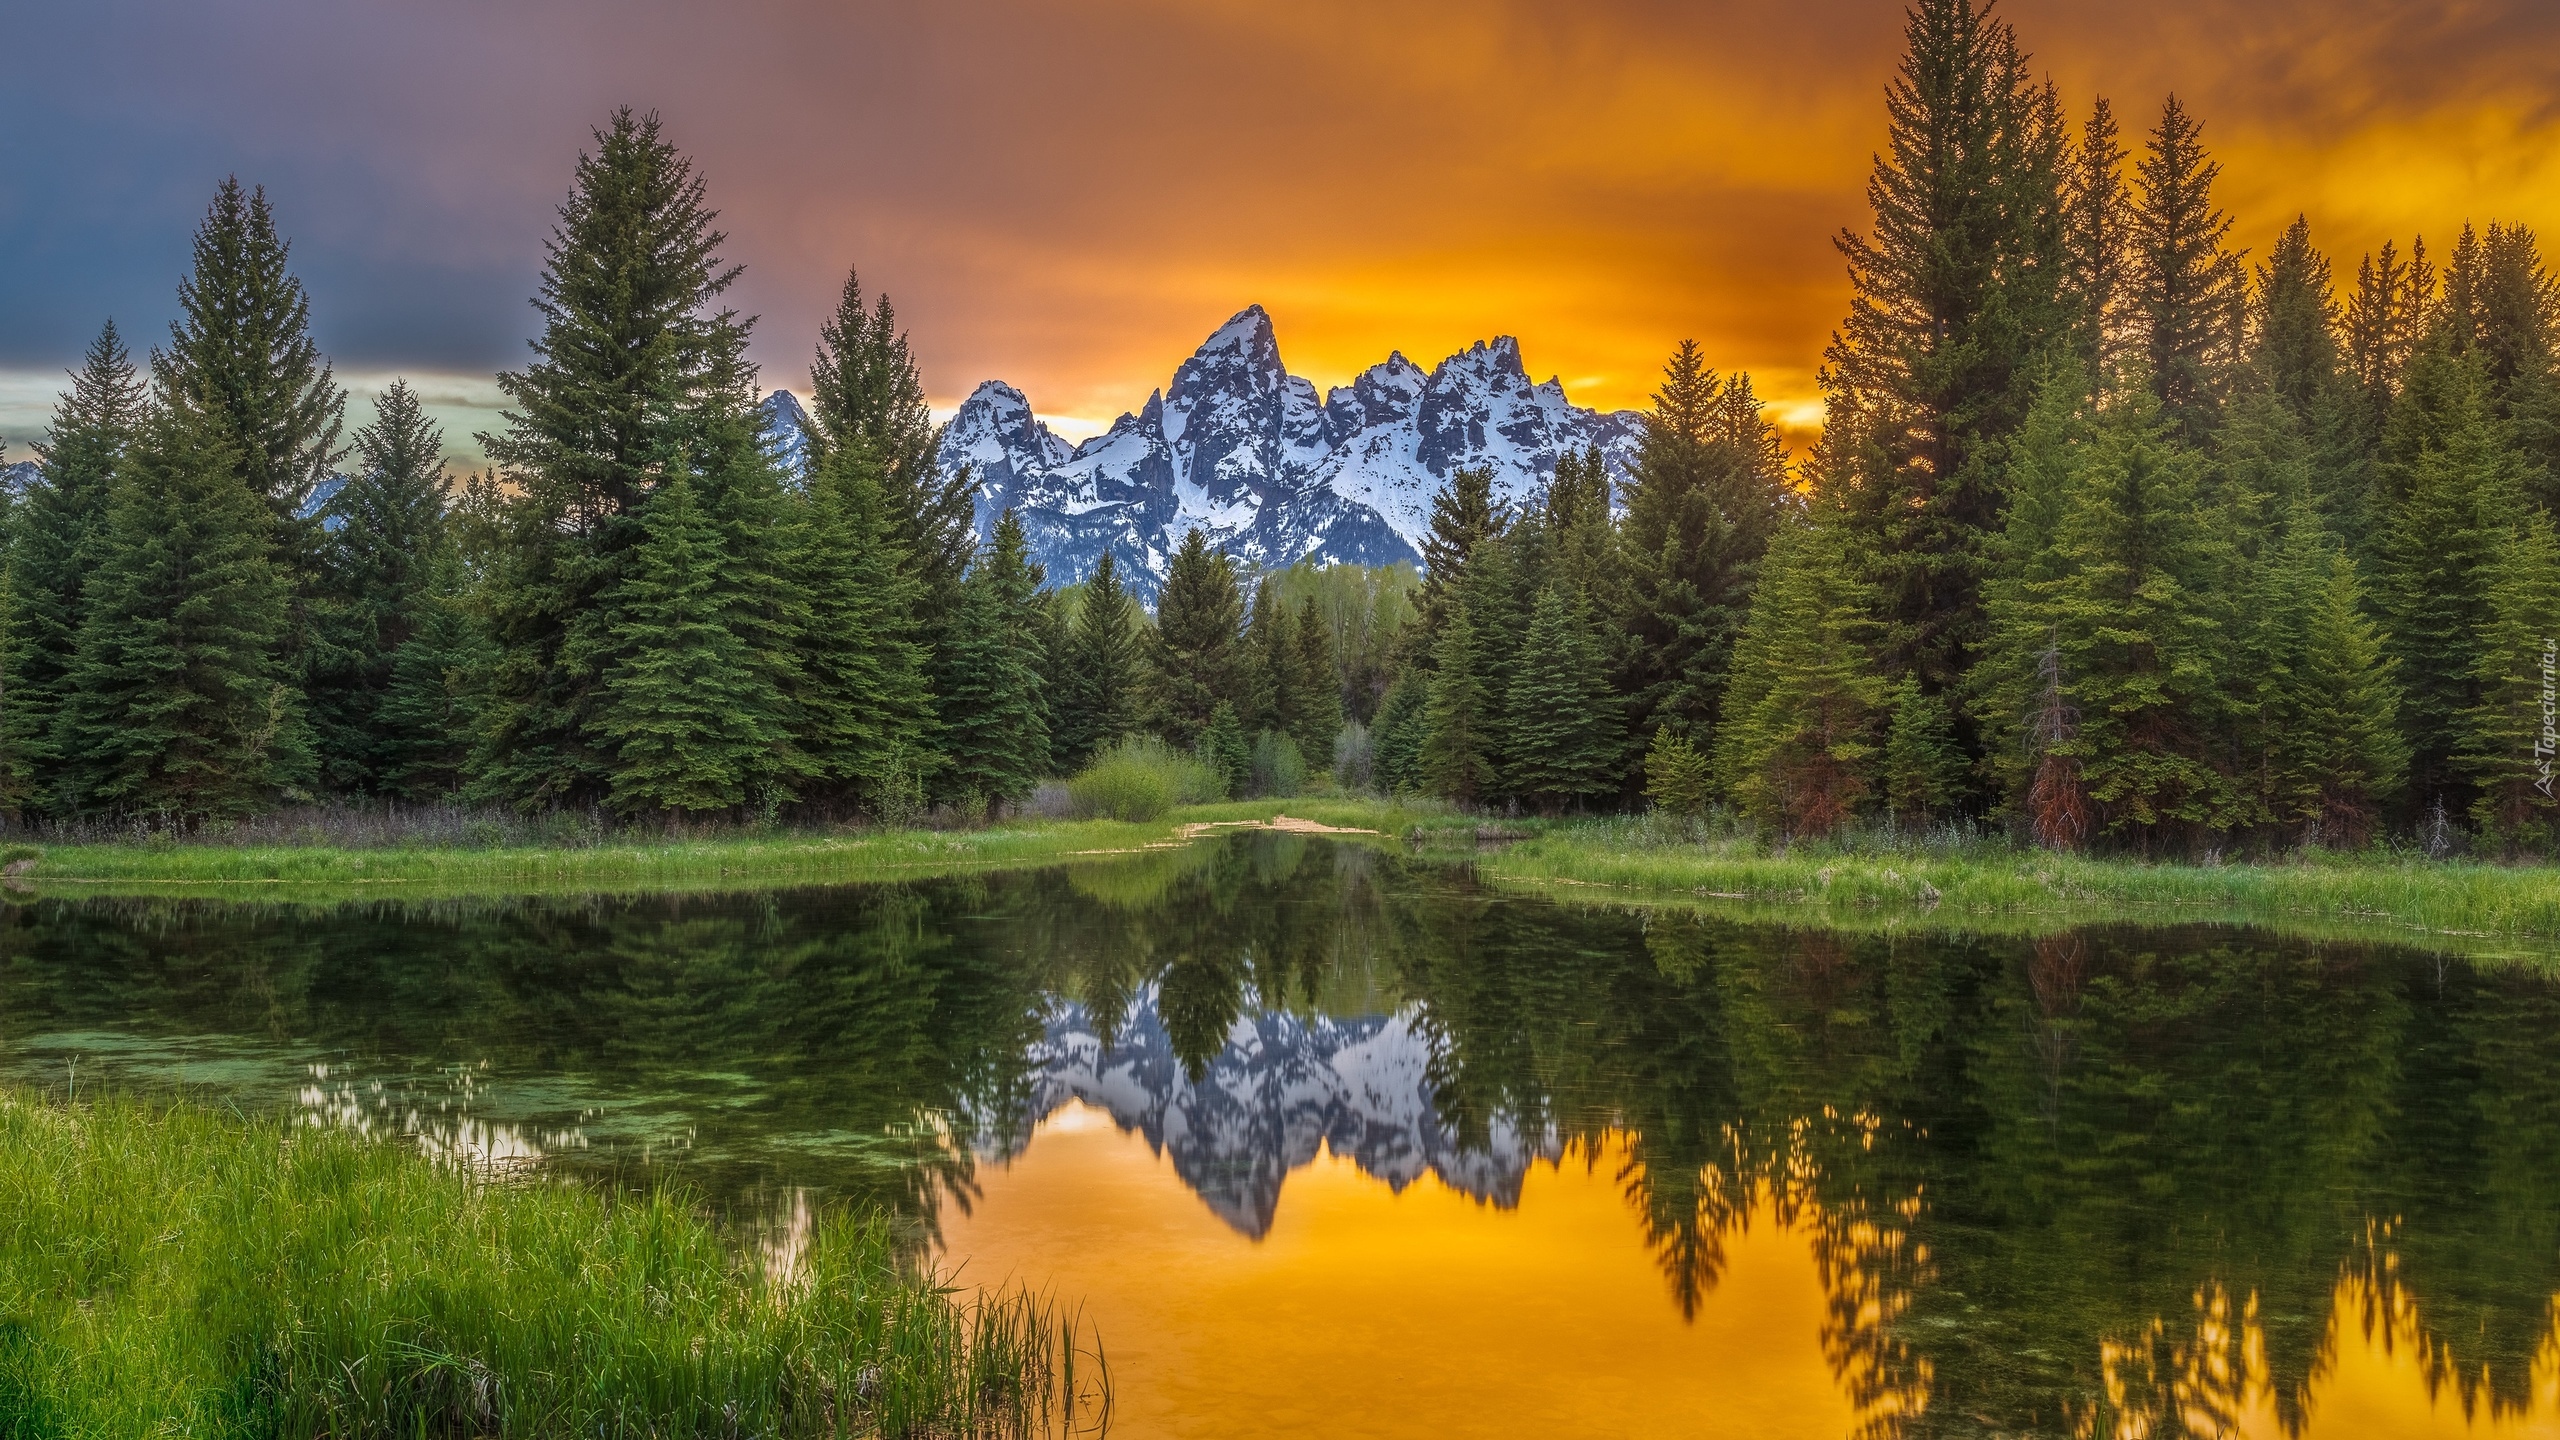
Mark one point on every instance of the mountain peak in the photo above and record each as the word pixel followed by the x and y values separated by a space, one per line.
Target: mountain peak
pixel 1247 332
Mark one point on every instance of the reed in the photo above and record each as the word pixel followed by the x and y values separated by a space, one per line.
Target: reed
pixel 169 1271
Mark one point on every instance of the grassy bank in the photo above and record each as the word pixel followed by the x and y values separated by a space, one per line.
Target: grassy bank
pixel 1995 887
pixel 164 1271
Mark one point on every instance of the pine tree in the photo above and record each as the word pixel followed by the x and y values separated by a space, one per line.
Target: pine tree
pixel 57 540
pixel 2098 237
pixel 2189 290
pixel 996 735
pixel 1101 690
pixel 2434 551
pixel 380 569
pixel 2508 739
pixel 1678 778
pixel 179 705
pixel 1797 751
pixel 1316 683
pixel 427 715
pixel 1270 697
pixel 1563 733
pixel 677 704
pixel 1457 759
pixel 865 707
pixel 636 376
pixel 2293 322
pixel 1223 749
pixel 1956 299
pixel 1464 515
pixel 1921 768
pixel 2341 758
pixel 1708 489
pixel 1403 720
pixel 2383 323
pixel 1191 659
pixel 241 355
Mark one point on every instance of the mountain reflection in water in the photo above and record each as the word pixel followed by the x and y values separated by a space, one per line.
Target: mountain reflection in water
pixel 2111 1182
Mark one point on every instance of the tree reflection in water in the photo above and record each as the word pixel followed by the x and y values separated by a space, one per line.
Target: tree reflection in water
pixel 2110 1182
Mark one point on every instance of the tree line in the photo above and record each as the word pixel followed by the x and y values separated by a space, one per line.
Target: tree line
pixel 2113 537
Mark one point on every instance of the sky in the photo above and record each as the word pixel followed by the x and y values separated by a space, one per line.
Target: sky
pixel 1070 197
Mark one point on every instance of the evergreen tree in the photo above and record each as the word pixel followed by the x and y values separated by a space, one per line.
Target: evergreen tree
pixel 1099 693
pixel 1464 515
pixel 1797 751
pixel 1270 698
pixel 679 704
pixel 1563 734
pixel 2341 758
pixel 1955 299
pixel 866 709
pixel 427 715
pixel 1316 683
pixel 381 570
pixel 1709 486
pixel 2098 233
pixel 996 735
pixel 1223 749
pixel 1191 659
pixel 1678 778
pixel 179 705
pixel 1457 759
pixel 636 376
pixel 1922 770
pixel 2293 323
pixel 2189 290
pixel 1403 721
pixel 2508 740
pixel 241 355
pixel 2435 550
pixel 57 540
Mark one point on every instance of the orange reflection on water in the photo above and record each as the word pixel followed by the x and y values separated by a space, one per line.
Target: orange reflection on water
pixel 1365 1312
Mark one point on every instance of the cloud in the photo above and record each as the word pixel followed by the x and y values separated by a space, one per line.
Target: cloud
pixel 1068 197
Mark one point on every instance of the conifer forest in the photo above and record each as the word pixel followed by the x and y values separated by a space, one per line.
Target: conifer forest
pixel 2125 532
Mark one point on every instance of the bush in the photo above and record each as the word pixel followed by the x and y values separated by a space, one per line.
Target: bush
pixel 1354 758
pixel 1278 768
pixel 1140 779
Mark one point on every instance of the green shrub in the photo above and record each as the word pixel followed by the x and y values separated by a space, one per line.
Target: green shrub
pixel 1278 768
pixel 1140 779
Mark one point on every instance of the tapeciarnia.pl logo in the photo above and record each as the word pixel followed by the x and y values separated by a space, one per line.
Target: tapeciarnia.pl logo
pixel 2548 741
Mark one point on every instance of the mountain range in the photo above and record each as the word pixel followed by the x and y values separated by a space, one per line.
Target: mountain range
pixel 1251 455
pixel 1282 1085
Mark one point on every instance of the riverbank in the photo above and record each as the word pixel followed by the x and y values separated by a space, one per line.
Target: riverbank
pixel 1982 886
pixel 167 1271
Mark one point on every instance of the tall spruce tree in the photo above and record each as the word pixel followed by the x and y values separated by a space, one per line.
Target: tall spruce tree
pixel 2188 289
pixel 1100 694
pixel 680 705
pixel 56 542
pixel 1317 683
pixel 997 735
pixel 1270 666
pixel 1955 299
pixel 1403 722
pixel 637 376
pixel 383 571
pixel 1192 660
pixel 1920 769
pixel 2098 238
pixel 2508 743
pixel 1708 488
pixel 2339 757
pixel 865 708
pixel 1563 736
pixel 1798 750
pixel 1464 515
pixel 179 704
pixel 1457 759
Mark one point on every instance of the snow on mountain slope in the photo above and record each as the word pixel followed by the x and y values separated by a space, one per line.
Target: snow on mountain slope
pixel 1272 473
pixel 1282 1086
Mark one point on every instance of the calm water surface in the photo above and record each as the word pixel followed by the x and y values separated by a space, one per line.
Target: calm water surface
pixel 1333 1143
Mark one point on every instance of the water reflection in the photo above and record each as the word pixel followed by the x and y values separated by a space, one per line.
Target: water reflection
pixel 2120 1182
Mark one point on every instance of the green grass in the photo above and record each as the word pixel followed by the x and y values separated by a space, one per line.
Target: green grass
pixel 168 1271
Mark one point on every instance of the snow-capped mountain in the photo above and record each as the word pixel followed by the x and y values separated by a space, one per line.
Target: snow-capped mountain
pixel 786 431
pixel 1271 472
pixel 1283 1084
pixel 15 479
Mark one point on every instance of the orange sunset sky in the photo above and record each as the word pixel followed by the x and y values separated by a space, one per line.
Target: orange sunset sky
pixel 1069 196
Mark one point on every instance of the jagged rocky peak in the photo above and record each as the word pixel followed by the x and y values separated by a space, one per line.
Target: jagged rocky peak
pixel 786 431
pixel 1237 447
